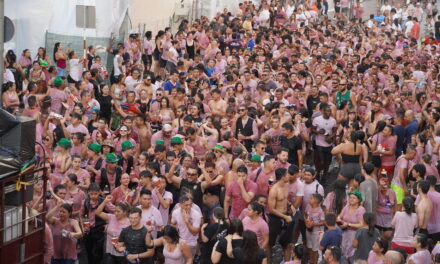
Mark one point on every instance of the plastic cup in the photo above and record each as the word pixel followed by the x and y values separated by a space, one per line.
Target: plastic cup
pixel 157 184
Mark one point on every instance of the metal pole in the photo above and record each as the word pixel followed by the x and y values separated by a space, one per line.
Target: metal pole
pixel 84 36
pixel 2 35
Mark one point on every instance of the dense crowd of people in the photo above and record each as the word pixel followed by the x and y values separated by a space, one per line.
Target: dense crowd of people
pixel 274 134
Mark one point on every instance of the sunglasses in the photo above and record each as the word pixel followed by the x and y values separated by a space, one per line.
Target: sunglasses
pixel 158 94
pixel 191 174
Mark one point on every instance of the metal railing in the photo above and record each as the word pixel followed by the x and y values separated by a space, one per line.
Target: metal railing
pixel 25 219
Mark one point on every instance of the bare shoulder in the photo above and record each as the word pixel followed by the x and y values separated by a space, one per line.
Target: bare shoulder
pixel 73 221
pixel 273 190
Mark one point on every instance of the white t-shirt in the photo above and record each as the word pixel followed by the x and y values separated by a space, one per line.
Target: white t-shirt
pixel 264 15
pixel 289 10
pixel 175 55
pixel 75 69
pixel 385 8
pixel 327 124
pixel 8 76
pixel 310 189
pixel 302 18
pixel 116 61
pixel 404 225
pixel 408 26
pixel 185 234
pixel 295 189
pixel 151 217
pixel 131 82
pixel 156 203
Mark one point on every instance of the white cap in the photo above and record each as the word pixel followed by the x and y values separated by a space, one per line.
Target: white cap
pixel 167 128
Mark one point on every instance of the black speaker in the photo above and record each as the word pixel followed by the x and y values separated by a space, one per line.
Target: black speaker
pixel 17 142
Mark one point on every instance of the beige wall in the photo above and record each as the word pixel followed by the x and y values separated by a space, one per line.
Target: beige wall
pixel 155 14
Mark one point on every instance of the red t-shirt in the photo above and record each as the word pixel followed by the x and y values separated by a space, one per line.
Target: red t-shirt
pixel 237 201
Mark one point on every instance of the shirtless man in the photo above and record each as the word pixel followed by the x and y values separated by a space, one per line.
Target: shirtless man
pixel 378 115
pixel 424 208
pixel 144 132
pixel 198 143
pixel 179 99
pixel 146 85
pixel 217 104
pixel 279 212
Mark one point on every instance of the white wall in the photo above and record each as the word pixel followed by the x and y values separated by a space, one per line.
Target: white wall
pixel 155 14
pixel 33 18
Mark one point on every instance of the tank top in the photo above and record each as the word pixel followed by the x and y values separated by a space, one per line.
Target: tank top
pixel 199 150
pixel 347 158
pixel 343 97
pixel 64 247
pixel 12 98
pixel 173 257
pixel 57 176
pixel 61 63
pixel 190 49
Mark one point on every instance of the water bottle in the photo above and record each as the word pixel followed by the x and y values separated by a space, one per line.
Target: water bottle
pixel 133 173
pixel 86 222
pixel 106 190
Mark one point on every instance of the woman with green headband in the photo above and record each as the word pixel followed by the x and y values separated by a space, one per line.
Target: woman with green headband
pixel 61 161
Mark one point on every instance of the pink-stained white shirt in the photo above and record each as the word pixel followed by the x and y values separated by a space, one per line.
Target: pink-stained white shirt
pixel 260 227
pixel 155 200
pixel 185 234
